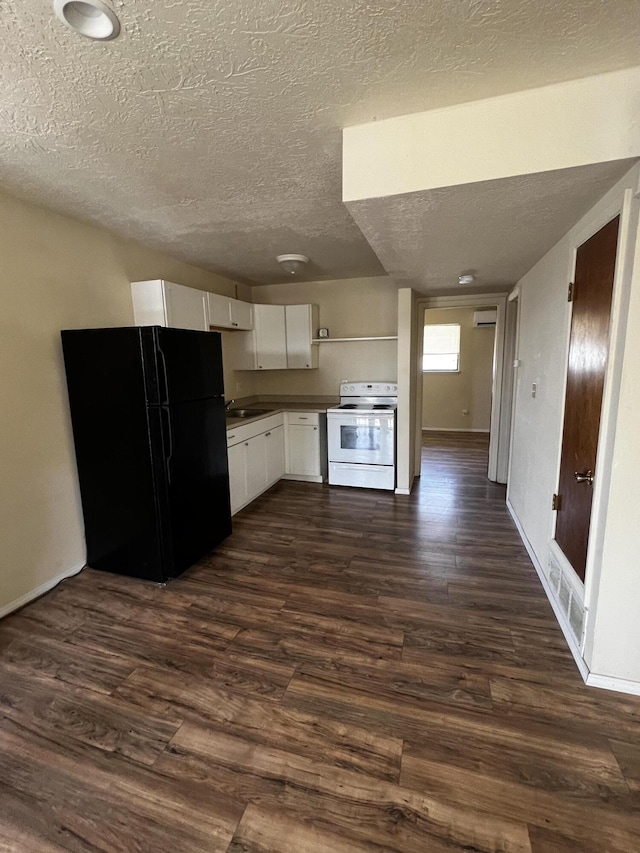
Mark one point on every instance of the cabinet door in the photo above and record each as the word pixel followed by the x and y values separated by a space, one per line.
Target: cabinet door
pixel 237 476
pixel 219 310
pixel 275 454
pixel 185 307
pixel 304 450
pixel 270 337
pixel 256 450
pixel 241 314
pixel 301 353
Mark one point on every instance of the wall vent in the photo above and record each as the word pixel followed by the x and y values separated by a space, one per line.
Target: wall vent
pixel 485 318
pixel 565 595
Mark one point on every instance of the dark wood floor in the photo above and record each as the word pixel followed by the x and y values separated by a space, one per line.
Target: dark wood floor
pixel 351 671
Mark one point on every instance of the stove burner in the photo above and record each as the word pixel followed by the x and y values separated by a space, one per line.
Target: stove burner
pixel 349 406
pixel 380 406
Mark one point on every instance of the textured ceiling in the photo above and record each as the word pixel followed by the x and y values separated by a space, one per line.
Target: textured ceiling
pixel 496 229
pixel 212 129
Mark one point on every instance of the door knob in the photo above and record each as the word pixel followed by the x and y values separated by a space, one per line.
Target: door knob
pixel 584 477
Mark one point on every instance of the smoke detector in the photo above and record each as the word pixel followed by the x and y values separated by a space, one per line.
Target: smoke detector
pixel 91 18
pixel 293 264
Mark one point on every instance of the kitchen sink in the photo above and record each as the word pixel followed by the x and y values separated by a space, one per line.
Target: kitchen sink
pixel 246 413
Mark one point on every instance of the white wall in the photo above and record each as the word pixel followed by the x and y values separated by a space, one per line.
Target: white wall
pixel 349 308
pixel 408 426
pixel 56 273
pixel 612 644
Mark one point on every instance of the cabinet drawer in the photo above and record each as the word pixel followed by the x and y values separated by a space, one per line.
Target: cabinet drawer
pixel 244 432
pixel 303 418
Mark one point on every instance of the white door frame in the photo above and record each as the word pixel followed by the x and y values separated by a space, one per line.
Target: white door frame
pixel 498 447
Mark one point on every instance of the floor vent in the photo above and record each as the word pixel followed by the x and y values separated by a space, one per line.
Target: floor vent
pixel 566 596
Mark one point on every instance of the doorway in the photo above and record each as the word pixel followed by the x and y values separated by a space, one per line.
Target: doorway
pixel 591 296
pixel 498 448
pixel 457 369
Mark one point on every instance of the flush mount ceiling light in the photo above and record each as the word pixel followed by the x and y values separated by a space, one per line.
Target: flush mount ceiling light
pixel 466 278
pixel 91 18
pixel 293 263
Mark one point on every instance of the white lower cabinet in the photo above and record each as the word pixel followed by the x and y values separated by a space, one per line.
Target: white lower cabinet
pixel 306 447
pixel 256 459
pixel 256 464
pixel 275 454
pixel 237 476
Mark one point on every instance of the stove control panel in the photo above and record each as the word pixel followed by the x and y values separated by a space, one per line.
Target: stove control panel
pixel 368 389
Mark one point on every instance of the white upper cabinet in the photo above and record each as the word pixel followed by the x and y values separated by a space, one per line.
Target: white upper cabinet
pixel 270 337
pixel 186 307
pixel 241 314
pixel 281 338
pixel 227 313
pixel 301 320
pixel 219 311
pixel 163 303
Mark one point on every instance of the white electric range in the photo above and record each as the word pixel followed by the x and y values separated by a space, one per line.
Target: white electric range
pixel 361 436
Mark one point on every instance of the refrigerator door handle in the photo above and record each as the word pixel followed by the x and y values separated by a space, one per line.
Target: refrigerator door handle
pixel 167 432
pixel 164 397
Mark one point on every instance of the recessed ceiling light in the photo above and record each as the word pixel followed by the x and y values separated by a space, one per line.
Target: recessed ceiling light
pixel 466 278
pixel 293 263
pixel 91 18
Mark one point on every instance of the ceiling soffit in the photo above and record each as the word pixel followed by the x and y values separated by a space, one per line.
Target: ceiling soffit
pixel 212 130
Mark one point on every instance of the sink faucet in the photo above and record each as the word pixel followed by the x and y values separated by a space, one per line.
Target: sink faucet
pixel 228 405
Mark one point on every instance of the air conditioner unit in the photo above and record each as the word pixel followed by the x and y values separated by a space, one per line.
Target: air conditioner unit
pixel 485 318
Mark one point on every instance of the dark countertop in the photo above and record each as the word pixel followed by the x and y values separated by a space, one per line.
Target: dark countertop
pixel 273 405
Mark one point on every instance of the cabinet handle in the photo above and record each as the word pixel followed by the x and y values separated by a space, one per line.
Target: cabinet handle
pixel 268 434
pixel 307 365
pixel 234 324
pixel 246 444
pixel 315 428
pixel 230 436
pixel 302 419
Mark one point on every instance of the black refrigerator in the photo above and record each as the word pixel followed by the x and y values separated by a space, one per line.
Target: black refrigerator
pixel 147 409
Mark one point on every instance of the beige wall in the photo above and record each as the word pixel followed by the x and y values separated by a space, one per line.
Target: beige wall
pixel 445 395
pixel 348 308
pixel 56 273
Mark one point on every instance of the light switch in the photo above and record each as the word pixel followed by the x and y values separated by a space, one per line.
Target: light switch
pixel 534 389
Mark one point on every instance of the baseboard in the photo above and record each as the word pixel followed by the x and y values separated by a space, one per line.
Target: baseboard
pixel 591 679
pixel 453 429
pixel 304 478
pixel 562 621
pixel 403 491
pixel 607 682
pixel 17 603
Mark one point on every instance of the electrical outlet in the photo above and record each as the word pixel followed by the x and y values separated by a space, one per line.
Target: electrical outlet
pixel 534 389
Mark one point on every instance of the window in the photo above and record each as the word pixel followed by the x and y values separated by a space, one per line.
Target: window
pixel 441 349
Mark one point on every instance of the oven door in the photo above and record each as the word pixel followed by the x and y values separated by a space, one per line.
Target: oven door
pixel 366 439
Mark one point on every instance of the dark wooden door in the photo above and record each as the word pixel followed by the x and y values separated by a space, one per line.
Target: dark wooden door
pixel 588 351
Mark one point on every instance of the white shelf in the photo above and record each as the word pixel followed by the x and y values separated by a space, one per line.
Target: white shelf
pixel 340 340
